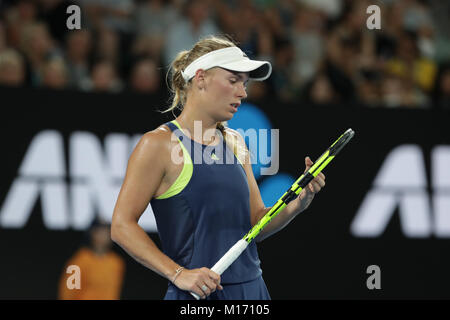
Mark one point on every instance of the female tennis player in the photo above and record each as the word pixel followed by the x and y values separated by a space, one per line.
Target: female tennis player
pixel 201 207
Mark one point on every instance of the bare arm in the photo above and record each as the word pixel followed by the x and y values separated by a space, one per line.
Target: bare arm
pixel 144 174
pixel 257 207
pixel 146 169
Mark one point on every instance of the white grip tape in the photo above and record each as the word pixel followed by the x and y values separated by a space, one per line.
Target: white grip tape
pixel 227 259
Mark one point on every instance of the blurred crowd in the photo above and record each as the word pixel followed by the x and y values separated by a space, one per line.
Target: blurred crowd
pixel 321 50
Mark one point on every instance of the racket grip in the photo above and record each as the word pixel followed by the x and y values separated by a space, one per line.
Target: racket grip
pixel 228 258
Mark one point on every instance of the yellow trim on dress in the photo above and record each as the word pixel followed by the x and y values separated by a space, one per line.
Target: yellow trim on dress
pixel 184 177
pixel 186 173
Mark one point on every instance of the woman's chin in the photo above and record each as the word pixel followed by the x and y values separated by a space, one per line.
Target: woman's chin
pixel 225 117
pixel 228 118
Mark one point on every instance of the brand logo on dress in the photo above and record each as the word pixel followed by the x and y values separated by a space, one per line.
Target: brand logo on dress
pixel 214 157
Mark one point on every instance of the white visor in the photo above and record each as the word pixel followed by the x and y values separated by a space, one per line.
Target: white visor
pixel 231 58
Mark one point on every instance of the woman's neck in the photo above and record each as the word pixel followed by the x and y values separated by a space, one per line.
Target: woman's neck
pixel 200 127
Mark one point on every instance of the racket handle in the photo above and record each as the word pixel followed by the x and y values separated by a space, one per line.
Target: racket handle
pixel 228 258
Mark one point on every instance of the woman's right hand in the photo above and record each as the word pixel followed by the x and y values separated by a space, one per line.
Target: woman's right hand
pixel 193 280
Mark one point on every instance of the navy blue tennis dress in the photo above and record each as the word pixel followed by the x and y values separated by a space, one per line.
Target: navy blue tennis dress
pixel 204 216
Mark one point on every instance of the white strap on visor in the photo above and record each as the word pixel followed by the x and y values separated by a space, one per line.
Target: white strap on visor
pixel 231 58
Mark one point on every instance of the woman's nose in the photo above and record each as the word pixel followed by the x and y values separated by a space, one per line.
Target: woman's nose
pixel 242 92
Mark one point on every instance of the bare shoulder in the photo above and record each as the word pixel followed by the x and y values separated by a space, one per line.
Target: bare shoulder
pixel 154 143
pixel 237 143
pixel 236 137
pixel 233 133
pixel 156 138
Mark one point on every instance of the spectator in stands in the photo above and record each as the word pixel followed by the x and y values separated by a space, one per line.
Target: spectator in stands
pixel 357 41
pixel 55 74
pixel 12 68
pixel 441 96
pixel 54 13
pixel 408 63
pixel 368 86
pixel 246 26
pixel 77 51
pixel 261 90
pixel 283 75
pixel 2 36
pixel 101 269
pixel 440 13
pixel 320 91
pixel 308 43
pixel 103 78
pixel 111 14
pixel 329 40
pixel 331 8
pixel 145 77
pixel 18 17
pixel 397 91
pixel 107 47
pixel 225 13
pixel 148 46
pixel 37 46
pixel 339 65
pixel 286 9
pixel 154 18
pixel 194 24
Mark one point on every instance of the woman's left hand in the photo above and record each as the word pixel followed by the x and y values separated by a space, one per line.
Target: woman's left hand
pixel 312 188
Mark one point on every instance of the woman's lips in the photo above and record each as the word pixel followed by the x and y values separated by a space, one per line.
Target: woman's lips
pixel 234 107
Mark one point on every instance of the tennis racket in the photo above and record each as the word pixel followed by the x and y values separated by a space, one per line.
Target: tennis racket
pixel 235 251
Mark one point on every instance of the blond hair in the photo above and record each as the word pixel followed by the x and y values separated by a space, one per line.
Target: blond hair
pixel 178 86
pixel 29 32
pixel 10 57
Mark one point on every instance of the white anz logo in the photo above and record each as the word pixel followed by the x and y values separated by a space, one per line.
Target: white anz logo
pixel 70 197
pixel 402 183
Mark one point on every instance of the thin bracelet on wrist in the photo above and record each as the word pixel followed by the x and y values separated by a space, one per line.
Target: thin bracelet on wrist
pixel 177 272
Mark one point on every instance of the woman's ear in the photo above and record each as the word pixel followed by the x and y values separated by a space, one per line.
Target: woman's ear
pixel 199 77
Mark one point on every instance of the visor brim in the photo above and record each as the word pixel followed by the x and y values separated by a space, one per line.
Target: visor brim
pixel 258 70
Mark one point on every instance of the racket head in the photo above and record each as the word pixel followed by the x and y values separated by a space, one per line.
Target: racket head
pixel 341 142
